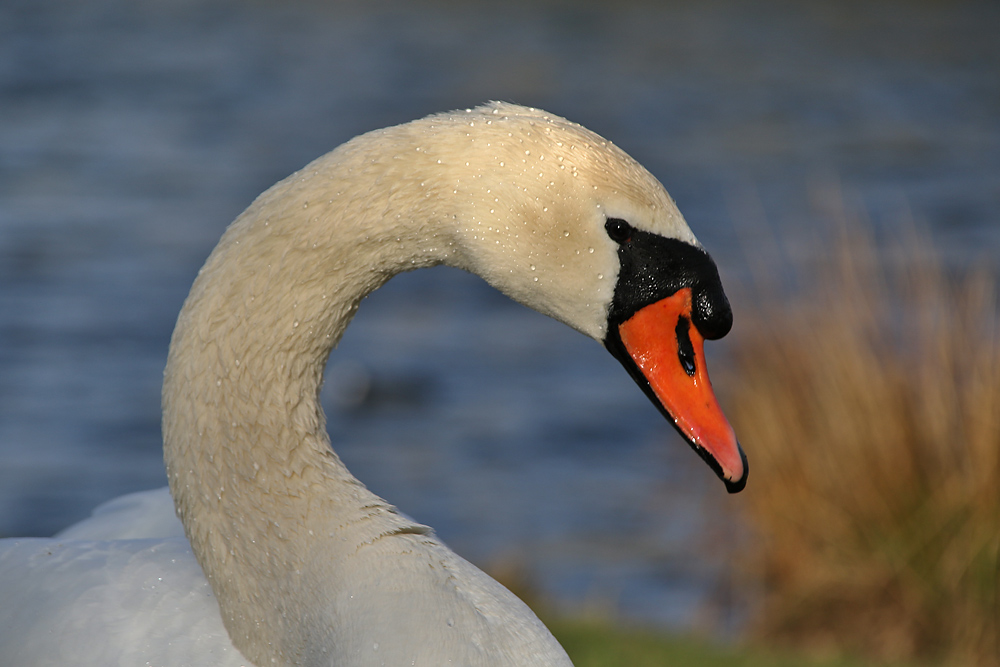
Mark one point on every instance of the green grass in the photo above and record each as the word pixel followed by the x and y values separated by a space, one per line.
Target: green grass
pixel 602 644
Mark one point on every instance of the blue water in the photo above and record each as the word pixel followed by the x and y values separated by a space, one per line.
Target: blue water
pixel 131 133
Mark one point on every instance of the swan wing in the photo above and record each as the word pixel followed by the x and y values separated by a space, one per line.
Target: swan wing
pixel 135 516
pixel 120 602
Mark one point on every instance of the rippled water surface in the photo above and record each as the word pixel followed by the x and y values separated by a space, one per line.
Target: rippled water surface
pixel 131 133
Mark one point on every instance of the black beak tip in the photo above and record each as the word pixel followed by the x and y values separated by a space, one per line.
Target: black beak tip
pixel 735 486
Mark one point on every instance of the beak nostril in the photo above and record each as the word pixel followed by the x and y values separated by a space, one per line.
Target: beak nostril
pixel 685 349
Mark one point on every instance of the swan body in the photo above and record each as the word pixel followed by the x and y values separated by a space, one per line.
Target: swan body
pixel 281 557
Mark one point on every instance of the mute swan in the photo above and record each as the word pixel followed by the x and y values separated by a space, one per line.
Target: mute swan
pixel 306 566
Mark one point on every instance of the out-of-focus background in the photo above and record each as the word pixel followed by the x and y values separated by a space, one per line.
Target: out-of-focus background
pixel 131 133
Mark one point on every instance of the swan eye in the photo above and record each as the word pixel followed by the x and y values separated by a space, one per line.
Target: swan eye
pixel 619 230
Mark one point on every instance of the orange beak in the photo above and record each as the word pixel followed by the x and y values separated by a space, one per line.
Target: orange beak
pixel 669 353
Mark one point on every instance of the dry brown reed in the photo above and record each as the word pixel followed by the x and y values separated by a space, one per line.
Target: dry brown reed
pixel 868 400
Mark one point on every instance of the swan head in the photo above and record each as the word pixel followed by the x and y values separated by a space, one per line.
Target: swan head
pixel 567 223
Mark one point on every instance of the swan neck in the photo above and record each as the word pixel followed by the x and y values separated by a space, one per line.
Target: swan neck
pixel 255 481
